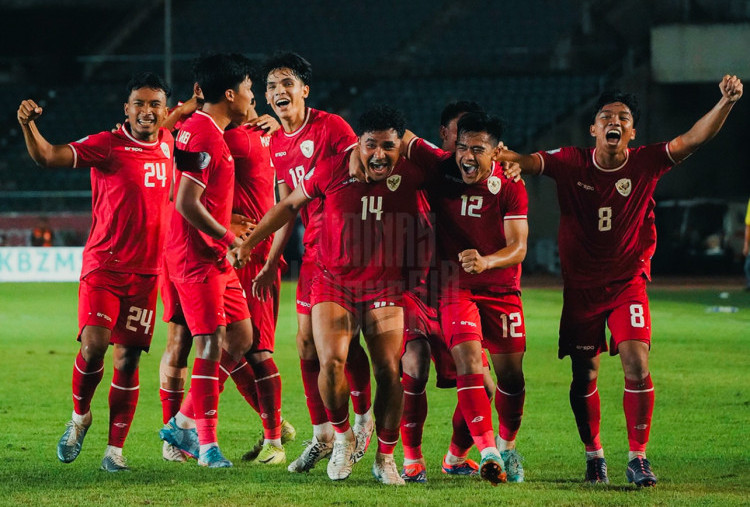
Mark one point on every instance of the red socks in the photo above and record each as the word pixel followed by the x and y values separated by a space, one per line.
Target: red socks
pixel 357 370
pixel 204 394
pixel 244 378
pixel 584 400
pixel 86 376
pixel 387 440
pixel 475 405
pixel 461 440
pixel 339 418
pixel 268 387
pixel 123 398
pixel 310 371
pixel 638 402
pixel 413 418
pixel 510 410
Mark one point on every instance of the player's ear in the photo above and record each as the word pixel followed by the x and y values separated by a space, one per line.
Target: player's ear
pixel 592 130
pixel 443 133
pixel 305 91
pixel 229 94
pixel 632 135
pixel 125 108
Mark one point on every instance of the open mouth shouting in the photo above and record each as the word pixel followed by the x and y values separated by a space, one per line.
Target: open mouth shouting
pixel 378 168
pixel 613 136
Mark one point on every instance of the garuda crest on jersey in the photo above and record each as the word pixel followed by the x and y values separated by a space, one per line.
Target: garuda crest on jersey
pixel 624 186
pixel 494 184
pixel 307 148
pixel 165 149
pixel 393 182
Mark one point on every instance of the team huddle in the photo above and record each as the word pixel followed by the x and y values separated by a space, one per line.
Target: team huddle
pixel 415 248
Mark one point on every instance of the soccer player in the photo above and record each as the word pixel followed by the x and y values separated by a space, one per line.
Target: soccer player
pixel 307 136
pixel 209 292
pixel 481 231
pixel 362 249
pixel 122 257
pixel 606 239
pixel 253 197
pixel 423 338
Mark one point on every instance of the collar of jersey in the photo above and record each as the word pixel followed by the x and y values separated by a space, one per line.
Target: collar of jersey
pixel 133 139
pixel 593 159
pixel 307 118
pixel 201 113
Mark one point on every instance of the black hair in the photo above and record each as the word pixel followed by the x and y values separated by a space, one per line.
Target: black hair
pixel 148 80
pixel 612 96
pixel 481 122
pixel 288 60
pixel 454 109
pixel 382 117
pixel 217 73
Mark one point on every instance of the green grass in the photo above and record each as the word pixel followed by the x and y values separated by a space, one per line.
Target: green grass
pixel 699 442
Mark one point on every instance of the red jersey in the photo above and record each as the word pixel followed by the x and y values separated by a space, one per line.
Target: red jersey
pixel 607 229
pixel 472 217
pixel 254 180
pixel 366 227
pixel 130 190
pixel 191 254
pixel 295 154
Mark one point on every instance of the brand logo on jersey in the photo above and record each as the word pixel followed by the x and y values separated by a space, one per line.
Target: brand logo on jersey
pixel 279 154
pixel 307 148
pixel 165 149
pixel 585 186
pixel 183 137
pixel 103 316
pixel 393 182
pixel 624 186
pixel 641 426
pixel 552 152
pixel 468 323
pixel 133 148
pixel 477 419
pixel 120 425
pixel 494 184
pixel 229 157
pixel 210 413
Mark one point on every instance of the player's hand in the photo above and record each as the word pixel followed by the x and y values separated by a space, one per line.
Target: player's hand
pixel 117 127
pixel 241 256
pixel 745 249
pixel 28 111
pixel 356 169
pixel 264 281
pixel 472 262
pixel 242 226
pixel 266 122
pixel 731 88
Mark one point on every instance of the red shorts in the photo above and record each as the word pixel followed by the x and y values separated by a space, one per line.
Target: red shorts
pixel 216 301
pixel 354 299
pixel 621 306
pixel 308 271
pixel 421 322
pixel 170 299
pixel 496 320
pixel 124 303
pixel 263 313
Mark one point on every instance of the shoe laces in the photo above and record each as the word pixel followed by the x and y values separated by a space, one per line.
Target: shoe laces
pixel 74 433
pixel 118 460
pixel 387 467
pixel 514 461
pixel 340 448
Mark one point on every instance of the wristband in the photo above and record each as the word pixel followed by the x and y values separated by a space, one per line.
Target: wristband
pixel 227 239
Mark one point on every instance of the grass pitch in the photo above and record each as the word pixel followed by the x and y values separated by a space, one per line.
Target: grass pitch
pixel 699 442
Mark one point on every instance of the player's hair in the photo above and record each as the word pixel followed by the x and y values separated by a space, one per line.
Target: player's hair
pixel 288 60
pixel 382 117
pixel 453 110
pixel 217 73
pixel 612 96
pixel 148 80
pixel 481 122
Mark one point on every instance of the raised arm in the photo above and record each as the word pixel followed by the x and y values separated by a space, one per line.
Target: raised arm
pixel 41 151
pixel 283 213
pixel 709 125
pixel 528 164
pixel 516 235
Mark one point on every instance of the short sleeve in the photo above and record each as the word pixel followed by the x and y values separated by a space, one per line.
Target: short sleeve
pixel 516 200
pixel 92 150
pixel 318 179
pixel 426 155
pixel 340 133
pixel 238 142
